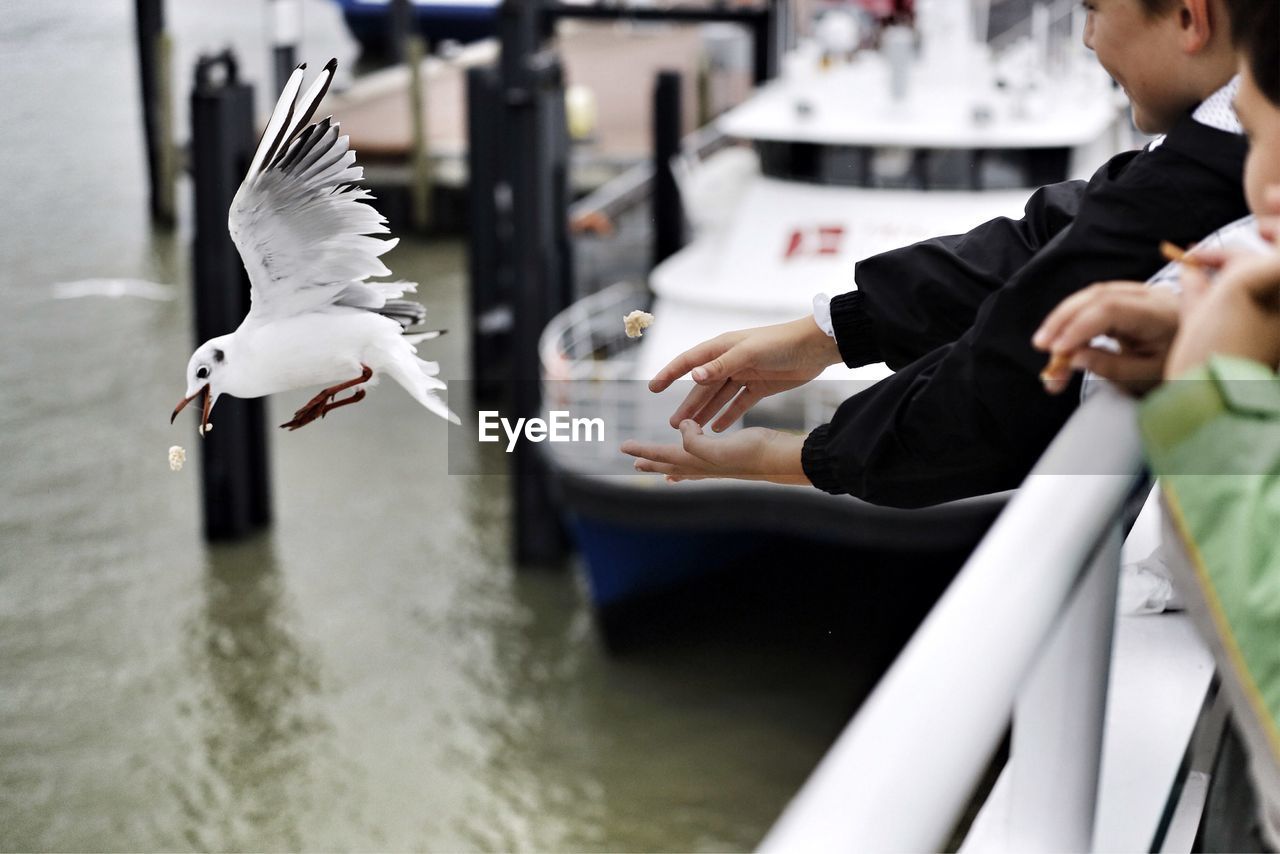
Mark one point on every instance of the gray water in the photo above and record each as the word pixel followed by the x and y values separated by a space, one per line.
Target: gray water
pixel 372 673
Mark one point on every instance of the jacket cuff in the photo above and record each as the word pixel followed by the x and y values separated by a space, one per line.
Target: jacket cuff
pixel 854 334
pixel 818 464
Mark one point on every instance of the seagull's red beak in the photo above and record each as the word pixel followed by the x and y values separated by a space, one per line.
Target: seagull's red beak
pixel 205 406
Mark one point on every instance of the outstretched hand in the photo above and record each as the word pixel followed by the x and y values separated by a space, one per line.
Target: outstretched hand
pixel 739 369
pixel 754 453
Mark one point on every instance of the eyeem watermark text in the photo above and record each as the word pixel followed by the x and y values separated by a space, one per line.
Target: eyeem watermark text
pixel 557 427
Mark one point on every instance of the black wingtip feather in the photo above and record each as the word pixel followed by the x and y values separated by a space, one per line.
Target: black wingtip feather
pixel 311 108
pixel 289 154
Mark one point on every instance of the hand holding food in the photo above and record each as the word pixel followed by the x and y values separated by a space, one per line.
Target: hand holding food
pixel 1141 319
pixel 1239 315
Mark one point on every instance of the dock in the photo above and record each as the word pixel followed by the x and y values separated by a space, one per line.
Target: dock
pixel 375 111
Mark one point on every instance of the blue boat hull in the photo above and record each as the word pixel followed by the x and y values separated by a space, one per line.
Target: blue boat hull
pixel 435 22
pixel 638 543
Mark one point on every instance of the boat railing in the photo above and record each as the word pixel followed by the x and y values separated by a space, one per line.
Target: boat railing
pixel 1024 632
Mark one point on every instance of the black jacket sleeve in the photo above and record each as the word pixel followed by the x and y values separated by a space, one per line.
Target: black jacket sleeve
pixel 970 417
pixel 912 300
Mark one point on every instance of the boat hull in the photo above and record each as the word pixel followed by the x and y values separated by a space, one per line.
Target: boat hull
pixel 370 24
pixel 639 538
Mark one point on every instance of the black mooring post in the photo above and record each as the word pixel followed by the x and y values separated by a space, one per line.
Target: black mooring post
pixel 668 217
pixel 488 236
pixel 766 38
pixel 286 28
pixel 150 23
pixel 533 98
pixel 401 23
pixel 234 459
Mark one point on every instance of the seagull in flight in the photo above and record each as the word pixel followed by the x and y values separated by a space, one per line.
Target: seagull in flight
pixel 303 231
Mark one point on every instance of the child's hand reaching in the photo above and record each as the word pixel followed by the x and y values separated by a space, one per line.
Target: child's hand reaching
pixel 738 369
pixel 1238 314
pixel 1143 320
pixel 751 454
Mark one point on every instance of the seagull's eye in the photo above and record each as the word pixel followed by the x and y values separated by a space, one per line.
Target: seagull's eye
pixel 202 372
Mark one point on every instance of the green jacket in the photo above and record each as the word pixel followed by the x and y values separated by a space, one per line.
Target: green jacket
pixel 1213 439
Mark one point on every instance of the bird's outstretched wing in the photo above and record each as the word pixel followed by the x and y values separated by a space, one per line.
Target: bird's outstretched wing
pixel 299 219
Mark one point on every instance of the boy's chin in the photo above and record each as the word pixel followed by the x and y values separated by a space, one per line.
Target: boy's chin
pixel 1147 122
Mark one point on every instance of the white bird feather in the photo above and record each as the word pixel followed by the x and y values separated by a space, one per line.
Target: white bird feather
pixel 305 232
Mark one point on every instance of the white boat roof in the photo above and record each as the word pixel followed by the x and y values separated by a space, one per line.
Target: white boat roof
pixel 790 240
pixel 851 105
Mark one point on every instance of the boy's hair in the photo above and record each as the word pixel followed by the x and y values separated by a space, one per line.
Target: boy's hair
pixel 1255 30
pixel 1157 7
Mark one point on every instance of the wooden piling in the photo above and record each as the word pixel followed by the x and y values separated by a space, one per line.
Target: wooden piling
pixel 415 53
pixel 166 178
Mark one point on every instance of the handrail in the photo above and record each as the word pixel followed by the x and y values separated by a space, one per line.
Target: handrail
pixel 900 774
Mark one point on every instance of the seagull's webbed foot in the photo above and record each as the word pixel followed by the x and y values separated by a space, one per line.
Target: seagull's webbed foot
pixel 323 403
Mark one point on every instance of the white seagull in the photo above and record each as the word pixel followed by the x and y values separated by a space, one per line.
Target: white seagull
pixel 302 227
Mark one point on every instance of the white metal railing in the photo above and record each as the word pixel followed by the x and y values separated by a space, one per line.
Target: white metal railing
pixel 1026 629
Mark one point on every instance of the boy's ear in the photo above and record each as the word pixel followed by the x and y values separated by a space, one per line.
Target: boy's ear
pixel 1196 20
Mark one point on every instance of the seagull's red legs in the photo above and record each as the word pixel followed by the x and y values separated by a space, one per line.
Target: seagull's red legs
pixel 323 403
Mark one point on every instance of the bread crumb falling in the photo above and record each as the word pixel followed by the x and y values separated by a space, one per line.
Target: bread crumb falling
pixel 636 322
pixel 177 456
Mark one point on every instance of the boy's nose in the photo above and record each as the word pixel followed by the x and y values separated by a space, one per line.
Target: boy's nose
pixel 1088 32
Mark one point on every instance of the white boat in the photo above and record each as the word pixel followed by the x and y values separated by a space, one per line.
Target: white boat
pixel 844 161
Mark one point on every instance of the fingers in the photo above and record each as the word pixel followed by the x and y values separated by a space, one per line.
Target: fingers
pixel 654 467
pixel 1271 199
pixel 673 455
pixel 1050 330
pixel 1137 374
pixel 1195 284
pixel 709 362
pixel 743 402
pixel 1148 316
pixel 694 402
pixel 714 455
pixel 1056 377
pixel 722 396
pixel 1214 257
pixel 688 461
pixel 1257 278
pixel 1269 229
pixel 687 361
pixel 697 443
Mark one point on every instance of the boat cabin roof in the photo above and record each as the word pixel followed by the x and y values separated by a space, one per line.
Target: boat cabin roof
pixel 851 105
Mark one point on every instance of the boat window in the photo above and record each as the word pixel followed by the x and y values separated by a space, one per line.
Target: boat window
pixel 890 167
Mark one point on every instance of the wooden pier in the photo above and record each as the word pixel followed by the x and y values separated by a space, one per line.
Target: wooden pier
pixel 618 63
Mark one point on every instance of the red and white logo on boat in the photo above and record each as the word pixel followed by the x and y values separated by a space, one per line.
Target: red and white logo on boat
pixel 814 240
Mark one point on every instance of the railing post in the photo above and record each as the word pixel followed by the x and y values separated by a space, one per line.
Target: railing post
pixel 1056 751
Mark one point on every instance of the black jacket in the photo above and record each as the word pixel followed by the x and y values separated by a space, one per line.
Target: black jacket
pixel 965 413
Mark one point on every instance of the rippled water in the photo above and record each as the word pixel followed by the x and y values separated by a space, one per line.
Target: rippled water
pixel 371 673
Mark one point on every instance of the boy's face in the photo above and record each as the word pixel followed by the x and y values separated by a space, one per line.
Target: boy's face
pixel 1142 53
pixel 1261 120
